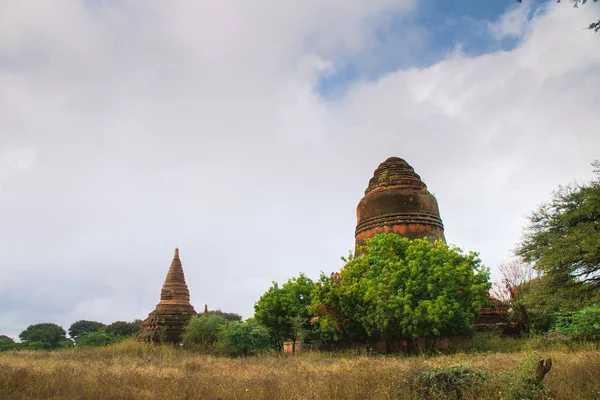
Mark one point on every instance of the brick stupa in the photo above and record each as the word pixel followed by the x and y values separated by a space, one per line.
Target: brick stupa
pixel 397 201
pixel 167 322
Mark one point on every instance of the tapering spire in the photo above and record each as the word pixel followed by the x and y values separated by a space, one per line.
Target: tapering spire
pixel 174 309
pixel 175 288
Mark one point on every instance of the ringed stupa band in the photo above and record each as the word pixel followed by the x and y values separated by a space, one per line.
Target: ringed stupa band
pixel 397 201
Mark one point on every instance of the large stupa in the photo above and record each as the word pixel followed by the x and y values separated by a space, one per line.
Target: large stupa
pixel 167 322
pixel 397 201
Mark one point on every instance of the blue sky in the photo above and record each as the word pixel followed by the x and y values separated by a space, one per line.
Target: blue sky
pixel 424 37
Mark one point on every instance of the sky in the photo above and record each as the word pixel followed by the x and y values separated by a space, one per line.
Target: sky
pixel 245 133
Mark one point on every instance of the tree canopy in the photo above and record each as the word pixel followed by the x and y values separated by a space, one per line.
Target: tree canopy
pixel 123 328
pixel 401 288
pixel 46 335
pixel 285 311
pixel 563 236
pixel 82 327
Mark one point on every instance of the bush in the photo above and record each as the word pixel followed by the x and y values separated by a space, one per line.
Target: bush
pixel 450 382
pixel 244 338
pixel 95 339
pixel 203 329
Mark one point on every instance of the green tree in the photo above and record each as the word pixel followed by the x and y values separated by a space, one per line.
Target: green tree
pixel 270 311
pixel 595 26
pixel 402 289
pixel 50 336
pixel 244 338
pixel 285 311
pixel 547 297
pixel 563 236
pixel 81 327
pixel 123 328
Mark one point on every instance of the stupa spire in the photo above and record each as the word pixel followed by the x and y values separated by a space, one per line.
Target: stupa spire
pixel 397 201
pixel 174 309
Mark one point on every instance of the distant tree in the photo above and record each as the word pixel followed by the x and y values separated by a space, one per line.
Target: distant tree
pixel 244 338
pixel 124 329
pixel 225 315
pixel 403 288
pixel 81 327
pixel 285 311
pixel 576 3
pixel 6 343
pixel 563 236
pixel 47 335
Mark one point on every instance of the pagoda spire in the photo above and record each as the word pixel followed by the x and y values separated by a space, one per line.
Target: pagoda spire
pixel 173 310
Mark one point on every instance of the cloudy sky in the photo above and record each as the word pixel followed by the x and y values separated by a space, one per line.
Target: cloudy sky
pixel 245 133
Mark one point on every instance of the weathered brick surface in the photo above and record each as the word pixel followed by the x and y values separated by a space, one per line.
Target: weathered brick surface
pixel 397 201
pixel 167 322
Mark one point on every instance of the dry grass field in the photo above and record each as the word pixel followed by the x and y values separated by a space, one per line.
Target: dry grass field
pixel 134 371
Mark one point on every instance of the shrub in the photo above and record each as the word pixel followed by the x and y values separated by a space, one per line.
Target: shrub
pixel 244 338
pixel 203 329
pixel 450 382
pixel 95 339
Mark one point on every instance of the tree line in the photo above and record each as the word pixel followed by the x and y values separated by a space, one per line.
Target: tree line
pixel 83 333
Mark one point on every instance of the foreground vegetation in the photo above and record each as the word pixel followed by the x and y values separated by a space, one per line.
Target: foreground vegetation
pixel 131 370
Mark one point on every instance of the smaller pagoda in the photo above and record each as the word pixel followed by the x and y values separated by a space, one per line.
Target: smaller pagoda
pixel 167 322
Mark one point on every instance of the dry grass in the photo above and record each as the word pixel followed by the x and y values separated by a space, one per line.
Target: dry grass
pixel 135 371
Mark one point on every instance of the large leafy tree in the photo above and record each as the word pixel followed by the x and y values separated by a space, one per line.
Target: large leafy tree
pixel 83 327
pixel 47 335
pixel 563 236
pixel 402 289
pixel 284 311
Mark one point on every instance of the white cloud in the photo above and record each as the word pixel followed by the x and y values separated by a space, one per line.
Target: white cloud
pixel 512 24
pixel 155 125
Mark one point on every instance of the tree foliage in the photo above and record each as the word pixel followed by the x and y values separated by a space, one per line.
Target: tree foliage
pixel 563 236
pixel 6 343
pixel 285 311
pixel 401 289
pixel 46 335
pixel 98 338
pixel 123 328
pixel 81 327
pixel 583 324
